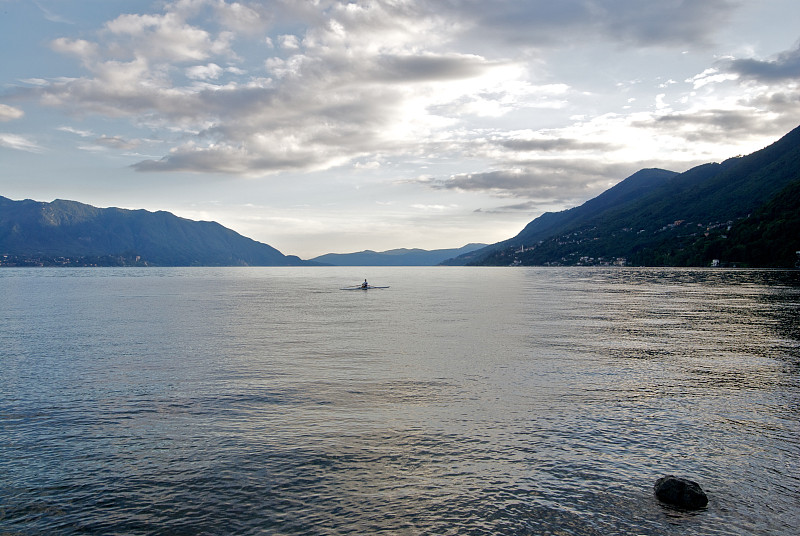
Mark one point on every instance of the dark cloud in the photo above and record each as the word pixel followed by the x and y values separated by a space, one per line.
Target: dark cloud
pixel 558 144
pixel 675 22
pixel 781 102
pixel 233 160
pixel 785 66
pixel 429 67
pixel 555 179
pixel 508 181
pixel 527 207
pixel 539 22
pixel 729 126
pixel 710 123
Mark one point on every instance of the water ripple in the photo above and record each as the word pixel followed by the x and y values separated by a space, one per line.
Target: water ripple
pixel 463 401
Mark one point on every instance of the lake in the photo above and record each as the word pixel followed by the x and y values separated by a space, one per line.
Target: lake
pixel 458 401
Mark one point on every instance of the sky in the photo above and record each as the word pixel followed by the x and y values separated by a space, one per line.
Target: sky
pixel 326 126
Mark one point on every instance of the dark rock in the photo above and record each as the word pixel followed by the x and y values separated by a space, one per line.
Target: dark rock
pixel 680 492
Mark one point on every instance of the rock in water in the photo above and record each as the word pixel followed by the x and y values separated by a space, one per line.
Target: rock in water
pixel 680 492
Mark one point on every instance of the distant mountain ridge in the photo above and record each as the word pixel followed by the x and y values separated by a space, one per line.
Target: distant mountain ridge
pixel 661 218
pixel 395 257
pixel 72 233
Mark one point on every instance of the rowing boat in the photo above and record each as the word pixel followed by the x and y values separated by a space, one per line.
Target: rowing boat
pixel 362 287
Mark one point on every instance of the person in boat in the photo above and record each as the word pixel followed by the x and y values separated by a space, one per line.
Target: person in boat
pixel 364 284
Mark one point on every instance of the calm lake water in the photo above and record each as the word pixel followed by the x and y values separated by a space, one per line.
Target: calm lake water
pixel 458 401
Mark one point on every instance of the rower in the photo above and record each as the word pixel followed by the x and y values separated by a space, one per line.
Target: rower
pixel 364 284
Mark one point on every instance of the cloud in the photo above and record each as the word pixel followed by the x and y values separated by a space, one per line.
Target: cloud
pixel 8 113
pixel 210 71
pixel 718 124
pixel 19 143
pixel 784 103
pixel 35 81
pixel 409 68
pixel 658 23
pixel 52 16
pixel 117 142
pixel 289 42
pixel 166 37
pixel 76 47
pixel 728 126
pixel 711 76
pixel 548 179
pixel 241 159
pixel 554 144
pixel 525 207
pixel 247 19
pixel 538 22
pixel 735 100
pixel 79 132
pixel 348 81
pixel 335 97
pixel 784 66
pixel 433 208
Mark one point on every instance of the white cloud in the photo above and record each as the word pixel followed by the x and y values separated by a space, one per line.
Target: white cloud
pixel 289 42
pixel 79 132
pixel 436 208
pixel 52 16
pixel 210 71
pixel 373 164
pixel 35 81
pixel 117 142
pixel 166 37
pixel 252 19
pixel 711 76
pixel 8 113
pixel 76 47
pixel 19 143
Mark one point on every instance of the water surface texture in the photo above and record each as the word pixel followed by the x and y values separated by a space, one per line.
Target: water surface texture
pixel 458 401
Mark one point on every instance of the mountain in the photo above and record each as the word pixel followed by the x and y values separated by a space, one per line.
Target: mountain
pixel 656 217
pixel 395 257
pixel 72 233
pixel 552 223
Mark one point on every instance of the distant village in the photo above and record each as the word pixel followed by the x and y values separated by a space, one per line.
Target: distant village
pixel 585 236
pixel 30 261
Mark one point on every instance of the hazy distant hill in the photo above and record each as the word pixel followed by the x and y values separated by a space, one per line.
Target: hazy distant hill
pixel 395 257
pixel 72 233
pixel 661 218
